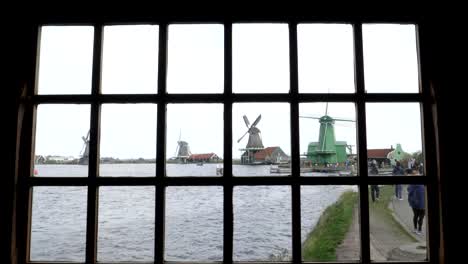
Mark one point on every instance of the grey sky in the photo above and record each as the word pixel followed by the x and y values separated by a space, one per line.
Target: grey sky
pixel 195 63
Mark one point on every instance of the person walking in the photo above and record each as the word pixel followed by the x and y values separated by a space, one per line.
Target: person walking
pixel 398 171
pixel 375 189
pixel 417 202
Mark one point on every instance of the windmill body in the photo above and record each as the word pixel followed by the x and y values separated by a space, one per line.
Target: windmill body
pixel 254 144
pixel 183 151
pixel 327 150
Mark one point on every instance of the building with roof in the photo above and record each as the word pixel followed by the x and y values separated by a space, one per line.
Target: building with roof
pixel 379 155
pixel 204 157
pixel 269 155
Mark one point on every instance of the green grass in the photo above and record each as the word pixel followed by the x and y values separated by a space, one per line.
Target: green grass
pixel 330 230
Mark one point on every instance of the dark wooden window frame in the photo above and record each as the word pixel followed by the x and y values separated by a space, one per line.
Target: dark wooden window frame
pixel 29 103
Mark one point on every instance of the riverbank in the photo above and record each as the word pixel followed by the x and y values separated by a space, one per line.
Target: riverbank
pixel 331 228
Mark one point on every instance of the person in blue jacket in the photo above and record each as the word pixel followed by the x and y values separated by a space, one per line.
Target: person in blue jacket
pixel 417 201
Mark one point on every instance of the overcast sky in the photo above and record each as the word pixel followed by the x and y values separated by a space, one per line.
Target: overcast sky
pixel 195 64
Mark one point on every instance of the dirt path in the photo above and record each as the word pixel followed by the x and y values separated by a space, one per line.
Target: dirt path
pixel 349 249
pixel 385 236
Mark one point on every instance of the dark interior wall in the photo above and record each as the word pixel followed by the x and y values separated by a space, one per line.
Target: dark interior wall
pixel 441 52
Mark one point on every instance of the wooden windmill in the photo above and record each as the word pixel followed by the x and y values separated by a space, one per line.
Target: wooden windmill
pixel 254 143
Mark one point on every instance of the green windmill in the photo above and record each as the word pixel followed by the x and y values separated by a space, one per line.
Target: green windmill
pixel 327 150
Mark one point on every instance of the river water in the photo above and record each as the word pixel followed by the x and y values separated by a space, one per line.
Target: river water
pixel 193 216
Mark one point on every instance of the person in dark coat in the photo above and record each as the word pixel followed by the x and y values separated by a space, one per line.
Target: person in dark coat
pixel 375 190
pixel 417 201
pixel 398 170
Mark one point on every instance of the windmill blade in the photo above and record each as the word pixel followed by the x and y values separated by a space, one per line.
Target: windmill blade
pixel 326 109
pixel 246 120
pixel 346 120
pixel 87 136
pixel 176 149
pixel 242 137
pixel 312 117
pixel 256 120
pixel 81 151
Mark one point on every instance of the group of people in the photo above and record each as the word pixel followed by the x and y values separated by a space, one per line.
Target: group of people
pixel 416 192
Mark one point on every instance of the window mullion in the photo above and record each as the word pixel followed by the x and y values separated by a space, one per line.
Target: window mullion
pixel 161 146
pixel 92 210
pixel 362 142
pixel 228 213
pixel 430 156
pixel 295 158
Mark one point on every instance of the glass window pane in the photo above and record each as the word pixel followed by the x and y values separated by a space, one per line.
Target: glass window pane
pixel 62 140
pixel 398 225
pixel 325 58
pixel 390 58
pixel 130 59
pixel 194 224
pixel 394 140
pixel 195 59
pixel 330 223
pixel 328 139
pixel 65 60
pixel 128 140
pixel 261 134
pixel 262 223
pixel 194 139
pixel 58 224
pixel 260 58
pixel 126 224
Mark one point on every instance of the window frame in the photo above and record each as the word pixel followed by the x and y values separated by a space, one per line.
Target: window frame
pixel 26 180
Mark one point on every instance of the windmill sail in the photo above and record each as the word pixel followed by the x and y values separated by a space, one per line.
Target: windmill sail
pixel 84 159
pixel 255 139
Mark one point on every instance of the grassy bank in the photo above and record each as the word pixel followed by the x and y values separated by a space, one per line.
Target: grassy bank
pixel 380 210
pixel 330 230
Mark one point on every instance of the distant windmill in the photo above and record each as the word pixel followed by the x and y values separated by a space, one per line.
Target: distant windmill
pixel 327 150
pixel 255 140
pixel 182 152
pixel 84 153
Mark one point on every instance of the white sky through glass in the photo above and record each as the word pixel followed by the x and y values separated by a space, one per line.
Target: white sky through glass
pixel 386 126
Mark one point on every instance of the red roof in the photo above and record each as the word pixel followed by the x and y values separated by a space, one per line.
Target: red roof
pixel 378 153
pixel 203 156
pixel 262 154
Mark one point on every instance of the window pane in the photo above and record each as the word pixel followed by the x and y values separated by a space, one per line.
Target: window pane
pixel 398 227
pixel 62 140
pixel 325 58
pixel 390 58
pixel 260 58
pixel 262 223
pixel 194 139
pixel 130 59
pixel 126 224
pixel 128 140
pixel 328 139
pixel 262 137
pixel 393 137
pixel 330 223
pixel 195 59
pixel 58 224
pixel 65 60
pixel 194 224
